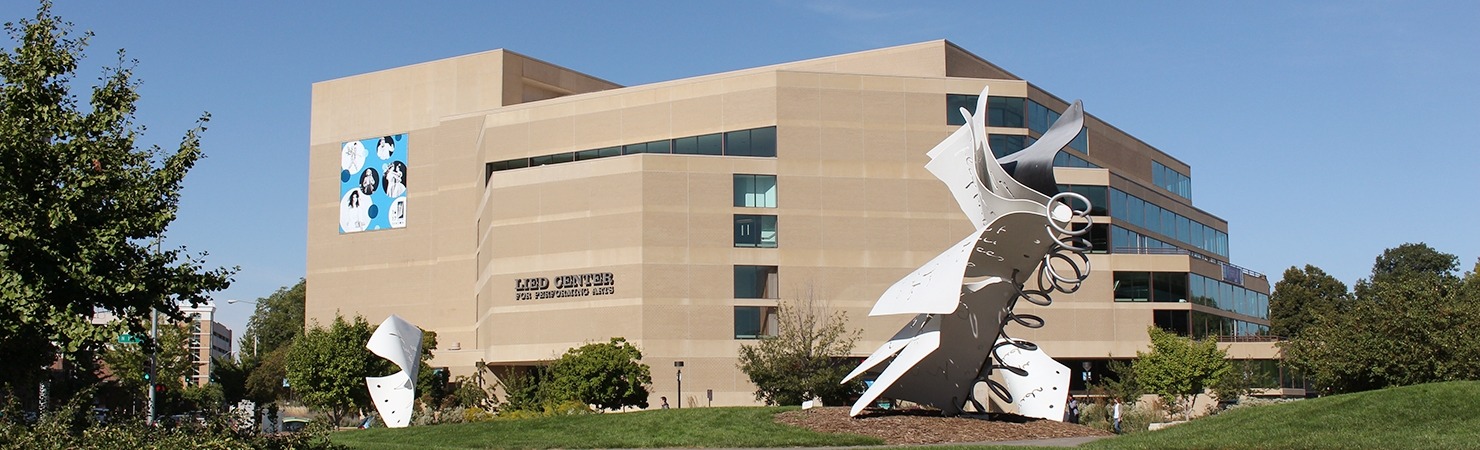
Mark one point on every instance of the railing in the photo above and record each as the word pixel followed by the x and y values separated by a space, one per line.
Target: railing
pixel 1247 338
pixel 1182 251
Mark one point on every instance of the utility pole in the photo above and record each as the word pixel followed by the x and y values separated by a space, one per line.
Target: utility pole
pixel 153 361
pixel 678 365
pixel 153 351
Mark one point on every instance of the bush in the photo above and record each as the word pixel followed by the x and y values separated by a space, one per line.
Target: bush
pixel 1134 418
pixel 475 415
pixel 68 427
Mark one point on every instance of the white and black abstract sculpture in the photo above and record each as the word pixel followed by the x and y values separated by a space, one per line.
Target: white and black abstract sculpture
pixel 394 394
pixel 964 298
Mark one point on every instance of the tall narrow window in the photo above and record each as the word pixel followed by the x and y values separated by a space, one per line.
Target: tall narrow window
pixel 756 282
pixel 755 191
pixel 753 230
pixel 753 322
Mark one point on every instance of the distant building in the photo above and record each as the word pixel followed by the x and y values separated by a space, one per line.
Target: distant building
pixel 209 340
pixel 519 208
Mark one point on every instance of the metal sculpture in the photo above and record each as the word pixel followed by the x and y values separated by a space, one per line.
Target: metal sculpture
pixel 964 298
pixel 394 394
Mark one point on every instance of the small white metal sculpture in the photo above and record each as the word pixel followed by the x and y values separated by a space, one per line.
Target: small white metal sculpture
pixel 394 394
pixel 964 297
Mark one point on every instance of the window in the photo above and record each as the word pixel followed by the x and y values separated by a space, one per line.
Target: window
pixel 1007 144
pixel 647 147
pixel 756 282
pixel 753 230
pixel 1132 286
pixel 1174 321
pixel 1004 112
pixel 755 191
pixel 709 144
pixel 756 142
pixel 1081 141
pixel 752 322
pixel 1040 117
pixel 1097 195
pixel 1173 181
pixel 1067 160
pixel 1169 287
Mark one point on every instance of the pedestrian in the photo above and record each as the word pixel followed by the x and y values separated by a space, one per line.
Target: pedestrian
pixel 665 402
pixel 1116 416
pixel 1073 410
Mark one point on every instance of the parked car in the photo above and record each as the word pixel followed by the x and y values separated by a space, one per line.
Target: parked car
pixel 294 424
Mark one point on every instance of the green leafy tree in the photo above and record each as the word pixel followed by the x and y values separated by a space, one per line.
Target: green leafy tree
pixel 1412 322
pixel 1300 296
pixel 468 394
pixel 806 358
pixel 326 368
pixel 1123 383
pixel 276 322
pixel 129 362
pixel 83 205
pixel 1178 369
pixel 265 382
pixel 610 375
pixel 522 389
pixel 231 375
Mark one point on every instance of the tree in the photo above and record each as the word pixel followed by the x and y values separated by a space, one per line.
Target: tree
pixel 1300 296
pixel 84 206
pixel 1412 322
pixel 265 382
pixel 610 375
pixel 1178 369
pixel 129 362
pixel 326 368
pixel 231 375
pixel 1410 259
pixel 276 322
pixel 806 358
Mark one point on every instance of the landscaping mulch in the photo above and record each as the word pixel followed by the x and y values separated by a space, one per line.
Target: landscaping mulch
pixel 925 426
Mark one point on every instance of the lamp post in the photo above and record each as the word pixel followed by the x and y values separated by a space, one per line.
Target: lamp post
pixel 254 334
pixel 679 366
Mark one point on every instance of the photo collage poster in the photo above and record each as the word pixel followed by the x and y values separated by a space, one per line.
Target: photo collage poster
pixel 372 184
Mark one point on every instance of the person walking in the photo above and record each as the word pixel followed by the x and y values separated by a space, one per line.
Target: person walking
pixel 1116 416
pixel 1073 410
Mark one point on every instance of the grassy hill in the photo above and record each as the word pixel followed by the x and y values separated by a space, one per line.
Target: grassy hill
pixel 1438 415
pixel 689 427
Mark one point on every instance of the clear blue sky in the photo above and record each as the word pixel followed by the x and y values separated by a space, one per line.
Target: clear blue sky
pixel 1323 132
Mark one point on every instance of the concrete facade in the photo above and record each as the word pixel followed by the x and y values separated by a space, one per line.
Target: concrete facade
pixel 646 243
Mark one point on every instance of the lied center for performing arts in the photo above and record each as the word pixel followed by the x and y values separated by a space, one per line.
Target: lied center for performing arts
pixel 518 209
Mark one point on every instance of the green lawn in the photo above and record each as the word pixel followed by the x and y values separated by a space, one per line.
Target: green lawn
pixel 1429 416
pixel 689 427
pixel 1437 416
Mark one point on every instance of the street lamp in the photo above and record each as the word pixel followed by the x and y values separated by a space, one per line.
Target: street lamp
pixel 679 366
pixel 254 335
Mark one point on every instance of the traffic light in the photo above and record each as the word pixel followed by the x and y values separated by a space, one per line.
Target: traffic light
pixel 148 370
pixel 159 388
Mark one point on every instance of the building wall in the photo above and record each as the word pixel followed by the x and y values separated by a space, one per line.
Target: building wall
pixel 856 210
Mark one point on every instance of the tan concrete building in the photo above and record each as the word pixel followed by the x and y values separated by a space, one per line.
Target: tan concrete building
pixel 519 208
pixel 209 340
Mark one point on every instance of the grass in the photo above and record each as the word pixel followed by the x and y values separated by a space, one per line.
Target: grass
pixel 1427 416
pixel 689 427
pixel 1437 416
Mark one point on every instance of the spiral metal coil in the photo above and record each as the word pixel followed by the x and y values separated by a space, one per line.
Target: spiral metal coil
pixel 1049 280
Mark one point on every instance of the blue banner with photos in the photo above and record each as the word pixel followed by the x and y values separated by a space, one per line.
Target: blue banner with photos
pixel 372 184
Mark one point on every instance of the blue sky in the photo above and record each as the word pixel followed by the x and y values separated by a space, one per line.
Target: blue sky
pixel 1323 132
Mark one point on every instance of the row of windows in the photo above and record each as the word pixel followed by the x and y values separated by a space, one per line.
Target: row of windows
pixel 1166 178
pixel 1148 215
pixel 1199 324
pixel 759 142
pixel 1127 241
pixel 1064 159
pixel 1182 287
pixel 1228 297
pixel 1010 112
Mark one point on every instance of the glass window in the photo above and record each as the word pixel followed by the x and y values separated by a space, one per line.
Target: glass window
pixel 1132 286
pixel 686 145
pixel 1184 228
pixel 562 157
pixel 1099 238
pixel 1003 111
pixel 1136 213
pixel 756 142
pixel 711 144
pixel 1174 321
pixel 1081 141
pixel 1169 287
pixel 1117 204
pixel 752 322
pixel 954 103
pixel 756 282
pixel 609 151
pixel 1007 144
pixel 587 154
pixel 753 230
pixel 540 160
pixel 1067 160
pixel 755 191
